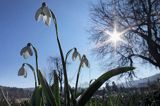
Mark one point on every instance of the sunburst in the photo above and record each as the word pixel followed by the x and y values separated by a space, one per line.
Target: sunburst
pixel 114 38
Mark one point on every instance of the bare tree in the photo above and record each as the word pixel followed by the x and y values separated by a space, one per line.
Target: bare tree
pixel 55 64
pixel 140 19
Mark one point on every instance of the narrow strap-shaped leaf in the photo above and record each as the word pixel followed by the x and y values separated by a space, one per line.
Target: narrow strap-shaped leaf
pixel 73 99
pixel 110 101
pixel 36 99
pixel 46 89
pixel 82 100
pixel 66 89
pixel 56 89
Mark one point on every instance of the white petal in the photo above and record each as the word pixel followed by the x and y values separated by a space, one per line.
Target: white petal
pixel 48 21
pixel 26 55
pixel 46 11
pixel 40 17
pixel 85 61
pixel 23 50
pixel 44 18
pixel 30 51
pixel 82 65
pixel 75 54
pixel 21 71
pixel 25 74
pixel 38 13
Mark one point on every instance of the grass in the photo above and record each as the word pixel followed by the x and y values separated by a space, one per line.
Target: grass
pixel 127 97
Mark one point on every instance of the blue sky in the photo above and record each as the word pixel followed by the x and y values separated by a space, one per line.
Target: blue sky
pixel 18 27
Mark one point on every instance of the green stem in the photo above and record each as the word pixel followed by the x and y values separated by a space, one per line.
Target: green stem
pixel 34 73
pixel 68 54
pixel 79 69
pixel 66 89
pixel 36 58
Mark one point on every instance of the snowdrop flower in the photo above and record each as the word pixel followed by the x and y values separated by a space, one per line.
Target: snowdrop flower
pixel 44 13
pixel 75 54
pixel 85 61
pixel 26 51
pixel 22 71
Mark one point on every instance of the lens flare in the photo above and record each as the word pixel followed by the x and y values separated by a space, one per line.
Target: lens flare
pixel 114 37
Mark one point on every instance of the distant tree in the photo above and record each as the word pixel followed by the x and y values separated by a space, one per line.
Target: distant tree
pixel 108 87
pixel 55 64
pixel 140 19
pixel 114 87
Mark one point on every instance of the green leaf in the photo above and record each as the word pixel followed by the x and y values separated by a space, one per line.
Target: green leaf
pixel 66 89
pixel 73 99
pixel 110 101
pixel 46 89
pixel 56 89
pixel 37 97
pixel 84 97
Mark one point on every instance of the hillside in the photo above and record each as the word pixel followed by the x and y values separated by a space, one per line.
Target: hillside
pixel 15 93
pixel 144 82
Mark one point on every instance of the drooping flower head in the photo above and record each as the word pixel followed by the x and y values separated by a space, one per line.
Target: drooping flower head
pixel 85 61
pixel 75 54
pixel 26 51
pixel 22 71
pixel 44 13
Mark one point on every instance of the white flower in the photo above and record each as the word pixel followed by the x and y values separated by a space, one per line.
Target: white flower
pixel 22 71
pixel 85 61
pixel 26 51
pixel 44 13
pixel 75 54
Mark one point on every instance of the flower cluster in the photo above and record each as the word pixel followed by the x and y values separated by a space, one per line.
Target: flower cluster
pixel 25 52
pixel 84 60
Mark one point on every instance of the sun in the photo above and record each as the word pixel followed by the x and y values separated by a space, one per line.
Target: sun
pixel 115 37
